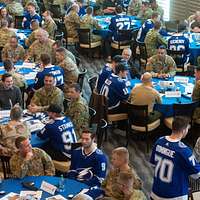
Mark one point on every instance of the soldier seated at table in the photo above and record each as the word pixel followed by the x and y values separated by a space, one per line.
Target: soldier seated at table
pixel 4 15
pixel 88 22
pixel 14 8
pixel 35 25
pixel 30 161
pixel 145 94
pixel 47 68
pixel 145 11
pixel 49 24
pixel 134 7
pixel 72 22
pixel 88 163
pixel 13 50
pixel 48 94
pixel 154 39
pixel 39 46
pixel 5 33
pixel 9 93
pixel 60 132
pixel 161 65
pixel 31 14
pixel 9 132
pixel 77 109
pixel 18 79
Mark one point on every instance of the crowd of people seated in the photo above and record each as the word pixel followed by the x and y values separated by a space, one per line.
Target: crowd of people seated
pixel 56 82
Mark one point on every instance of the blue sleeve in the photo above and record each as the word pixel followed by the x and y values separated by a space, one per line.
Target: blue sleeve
pixel 112 24
pixel 123 92
pixel 39 80
pixel 45 132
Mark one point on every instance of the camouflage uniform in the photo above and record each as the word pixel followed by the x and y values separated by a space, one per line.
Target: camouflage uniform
pixel 152 41
pixel 78 112
pixel 72 22
pixel 88 22
pixel 14 54
pixel 50 26
pixel 196 97
pixel 39 165
pixel 5 35
pixel 197 150
pixel 145 15
pixel 18 79
pixel 15 9
pixel 37 48
pixel 112 188
pixel 32 38
pixel 155 65
pixel 134 7
pixel 71 71
pixel 44 98
pixel 8 134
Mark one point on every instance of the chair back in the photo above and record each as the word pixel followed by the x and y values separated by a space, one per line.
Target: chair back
pixel 84 36
pixel 56 11
pixel 23 90
pixel 59 35
pixel 1 48
pixel 81 77
pixel 142 53
pixel 92 82
pixel 92 113
pixel 100 132
pixel 18 22
pixel 134 44
pixel 5 162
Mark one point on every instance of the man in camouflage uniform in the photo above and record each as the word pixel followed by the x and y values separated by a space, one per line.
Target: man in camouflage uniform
pixel 153 40
pixel 134 7
pixel 9 132
pixel 77 109
pixel 145 12
pixel 72 22
pixel 41 45
pixel 18 79
pixel 13 51
pixel 49 25
pixel 30 161
pixel 32 37
pixel 48 94
pixel 15 8
pixel 161 65
pixel 5 33
pixel 88 22
pixel 156 8
pixel 71 71
pixel 111 185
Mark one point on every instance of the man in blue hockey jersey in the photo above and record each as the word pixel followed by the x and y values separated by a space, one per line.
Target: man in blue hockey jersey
pixel 48 68
pixel 174 163
pixel 60 134
pixel 148 24
pixel 88 163
pixel 107 70
pixel 178 42
pixel 115 88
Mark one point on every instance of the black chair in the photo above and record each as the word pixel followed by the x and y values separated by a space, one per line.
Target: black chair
pixel 134 43
pixel 92 82
pixel 18 22
pixel 5 162
pixel 81 77
pixel 59 36
pixel 141 54
pixel 125 41
pixel 23 90
pixel 92 113
pixel 1 48
pixel 194 185
pixel 101 131
pixel 41 6
pixel 56 11
pixel 139 122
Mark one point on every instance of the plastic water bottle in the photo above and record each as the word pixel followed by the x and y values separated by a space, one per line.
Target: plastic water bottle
pixel 61 184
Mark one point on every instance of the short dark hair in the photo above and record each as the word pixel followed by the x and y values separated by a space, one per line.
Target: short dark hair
pixel 19 140
pixel 16 113
pixel 162 47
pixel 5 76
pixel 118 9
pixel 55 108
pixel 179 123
pixel 157 25
pixel 91 132
pixel 45 58
pixel 49 75
pixel 154 14
pixel 122 66
pixel 31 4
pixel 58 43
pixel 89 10
pixel 76 86
pixel 117 58
pixel 8 65
pixel 61 50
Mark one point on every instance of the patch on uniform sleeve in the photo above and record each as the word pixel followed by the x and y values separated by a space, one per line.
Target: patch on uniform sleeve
pixel 98 151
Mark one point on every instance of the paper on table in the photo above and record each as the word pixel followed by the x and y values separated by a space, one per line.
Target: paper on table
pixel 4 113
pixel 56 197
pixel 35 194
pixel 11 196
pixel 30 75
pixel 35 125
pixel 181 79
pixel 173 94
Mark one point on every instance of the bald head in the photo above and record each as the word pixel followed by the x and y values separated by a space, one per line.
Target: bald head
pixel 146 78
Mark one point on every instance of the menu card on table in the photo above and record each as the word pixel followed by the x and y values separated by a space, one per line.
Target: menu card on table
pixel 173 94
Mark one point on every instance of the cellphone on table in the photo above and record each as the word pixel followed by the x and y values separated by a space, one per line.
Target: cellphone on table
pixel 29 185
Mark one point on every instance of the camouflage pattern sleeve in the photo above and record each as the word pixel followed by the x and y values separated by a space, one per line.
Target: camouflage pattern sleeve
pixel 58 99
pixel 172 66
pixel 30 39
pixel 196 91
pixel 197 150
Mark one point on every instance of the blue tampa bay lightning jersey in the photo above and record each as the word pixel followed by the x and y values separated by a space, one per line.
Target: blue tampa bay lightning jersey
pixel 90 168
pixel 115 90
pixel 179 43
pixel 120 22
pixel 56 71
pixel 60 133
pixel 173 162
pixel 144 29
pixel 104 74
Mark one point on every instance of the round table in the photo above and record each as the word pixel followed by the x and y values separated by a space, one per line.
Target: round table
pixel 71 186
pixel 166 108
